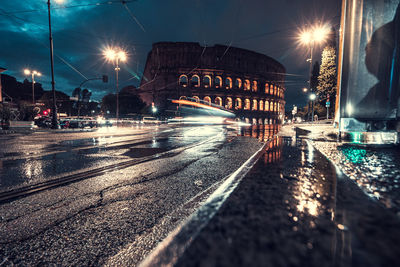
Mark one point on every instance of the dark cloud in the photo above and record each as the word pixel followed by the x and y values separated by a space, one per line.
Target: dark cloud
pixel 268 27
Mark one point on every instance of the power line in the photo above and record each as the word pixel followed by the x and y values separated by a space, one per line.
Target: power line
pixel 66 7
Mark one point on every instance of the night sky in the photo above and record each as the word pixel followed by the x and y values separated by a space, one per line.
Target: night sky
pixel 82 29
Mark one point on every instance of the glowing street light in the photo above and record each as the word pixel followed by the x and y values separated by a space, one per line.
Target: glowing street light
pixel 32 73
pixel 115 55
pixel 316 34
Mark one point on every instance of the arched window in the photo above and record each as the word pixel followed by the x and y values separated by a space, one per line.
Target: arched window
pixel 271 89
pixel 207 81
pixel 275 106
pixel 247 104
pixel 255 105
pixel 195 81
pixel 228 103
pixel 275 89
pixel 271 106
pixel 218 82
pixel 266 88
pixel 228 83
pixel 196 98
pixel 183 80
pixel 183 98
pixel 254 87
pixel 238 83
pixel 207 99
pixel 261 105
pixel 218 101
pixel 278 109
pixel 238 103
pixel 246 85
pixel 266 105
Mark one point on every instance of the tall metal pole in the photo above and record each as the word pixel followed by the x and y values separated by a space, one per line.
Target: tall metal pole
pixel 54 121
pixel 33 88
pixel 311 89
pixel 116 88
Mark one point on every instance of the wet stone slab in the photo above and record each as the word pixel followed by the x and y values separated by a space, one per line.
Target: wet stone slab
pixel 296 209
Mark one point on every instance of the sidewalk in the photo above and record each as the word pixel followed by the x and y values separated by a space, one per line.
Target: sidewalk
pixel 295 209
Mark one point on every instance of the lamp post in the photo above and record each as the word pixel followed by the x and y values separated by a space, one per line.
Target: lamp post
pixel 32 73
pixel 317 34
pixel 54 121
pixel 115 55
pixel 312 98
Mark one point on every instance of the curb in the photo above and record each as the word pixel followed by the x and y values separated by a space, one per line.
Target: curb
pixel 168 252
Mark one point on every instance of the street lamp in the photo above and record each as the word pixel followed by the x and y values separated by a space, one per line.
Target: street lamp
pixel 32 73
pixel 316 34
pixel 115 55
pixel 54 121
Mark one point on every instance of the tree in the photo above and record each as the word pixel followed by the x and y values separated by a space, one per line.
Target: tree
pixel 327 74
pixel 327 79
pixel 129 102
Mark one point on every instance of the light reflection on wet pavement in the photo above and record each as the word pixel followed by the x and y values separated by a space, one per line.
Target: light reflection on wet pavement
pixel 296 209
pixel 376 170
pixel 23 163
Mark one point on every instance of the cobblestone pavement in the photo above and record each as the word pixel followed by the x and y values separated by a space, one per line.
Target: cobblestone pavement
pixel 296 209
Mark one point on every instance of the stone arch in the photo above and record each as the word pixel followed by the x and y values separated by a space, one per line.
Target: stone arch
pixel 271 106
pixel 218 82
pixel 183 80
pixel 246 85
pixel 260 121
pixel 218 101
pixel 228 83
pixel 238 103
pixel 228 103
pixel 254 121
pixel 196 98
pixel 247 104
pixel 207 81
pixel 195 81
pixel 183 97
pixel 238 83
pixel 254 86
pixel 255 105
pixel 266 105
pixel 207 99
pixel 261 105
pixel 271 89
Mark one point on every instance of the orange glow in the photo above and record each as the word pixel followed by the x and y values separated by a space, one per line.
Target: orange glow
pixel 194 104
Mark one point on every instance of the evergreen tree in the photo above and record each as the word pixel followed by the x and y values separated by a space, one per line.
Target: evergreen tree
pixel 327 74
pixel 327 79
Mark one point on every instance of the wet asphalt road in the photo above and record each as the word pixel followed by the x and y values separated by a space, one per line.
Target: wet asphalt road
pixel 118 216
pixel 295 208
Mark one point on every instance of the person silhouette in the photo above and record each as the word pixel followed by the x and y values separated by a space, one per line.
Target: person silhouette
pixel 382 59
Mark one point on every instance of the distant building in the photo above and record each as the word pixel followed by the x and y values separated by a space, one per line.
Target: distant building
pixel 249 83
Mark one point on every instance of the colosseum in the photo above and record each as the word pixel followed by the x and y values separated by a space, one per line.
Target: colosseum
pixel 249 83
